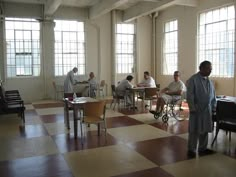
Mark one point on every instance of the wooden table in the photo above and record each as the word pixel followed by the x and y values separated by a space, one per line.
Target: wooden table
pixel 75 105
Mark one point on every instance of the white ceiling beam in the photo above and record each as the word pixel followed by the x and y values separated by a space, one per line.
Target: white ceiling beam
pixel 51 7
pixel 105 6
pixel 145 8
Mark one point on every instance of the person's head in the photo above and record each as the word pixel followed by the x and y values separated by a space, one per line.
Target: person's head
pixel 129 78
pixel 176 76
pixel 75 70
pixel 91 75
pixel 205 68
pixel 146 75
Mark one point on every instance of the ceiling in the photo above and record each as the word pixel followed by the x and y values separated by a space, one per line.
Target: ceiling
pixel 132 9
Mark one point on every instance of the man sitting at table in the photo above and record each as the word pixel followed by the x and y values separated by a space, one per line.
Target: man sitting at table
pixel 121 89
pixel 92 85
pixel 169 94
pixel 148 81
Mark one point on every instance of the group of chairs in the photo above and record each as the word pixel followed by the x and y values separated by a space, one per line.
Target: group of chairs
pixel 89 113
pixel 100 90
pixel 11 103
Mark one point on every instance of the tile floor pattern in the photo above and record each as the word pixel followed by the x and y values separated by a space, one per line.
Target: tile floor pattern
pixel 136 145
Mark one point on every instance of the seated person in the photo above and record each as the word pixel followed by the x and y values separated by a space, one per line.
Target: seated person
pixel 148 81
pixel 171 93
pixel 92 85
pixel 121 89
pixel 70 81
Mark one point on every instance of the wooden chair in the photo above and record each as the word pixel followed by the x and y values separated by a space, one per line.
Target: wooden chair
pixel 150 93
pixel 11 105
pixel 116 98
pixel 94 113
pixel 225 118
pixel 101 88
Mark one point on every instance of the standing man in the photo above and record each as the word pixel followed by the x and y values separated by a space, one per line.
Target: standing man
pixel 148 81
pixel 202 102
pixel 70 81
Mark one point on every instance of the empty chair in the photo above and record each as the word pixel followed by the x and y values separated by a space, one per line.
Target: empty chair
pixel 101 88
pixel 58 90
pixel 225 118
pixel 150 93
pixel 94 113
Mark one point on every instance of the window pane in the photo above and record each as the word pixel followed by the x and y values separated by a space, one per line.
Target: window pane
pixel 170 49
pixel 216 40
pixel 125 41
pixel 69 47
pixel 23 49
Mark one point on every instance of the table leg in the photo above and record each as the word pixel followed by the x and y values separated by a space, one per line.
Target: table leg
pixel 66 115
pixel 75 115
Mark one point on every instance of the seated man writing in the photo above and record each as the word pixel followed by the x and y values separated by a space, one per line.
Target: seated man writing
pixel 169 94
pixel 121 89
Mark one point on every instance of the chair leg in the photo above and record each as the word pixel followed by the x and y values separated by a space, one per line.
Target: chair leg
pixel 217 131
pixel 81 130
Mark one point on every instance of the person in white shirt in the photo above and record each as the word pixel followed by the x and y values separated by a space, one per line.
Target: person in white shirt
pixel 148 81
pixel 169 94
pixel 121 89
pixel 70 81
pixel 92 85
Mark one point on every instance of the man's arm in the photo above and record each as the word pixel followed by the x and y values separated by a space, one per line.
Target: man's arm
pixel 191 95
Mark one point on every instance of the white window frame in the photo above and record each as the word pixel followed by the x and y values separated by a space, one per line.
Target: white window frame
pixel 216 40
pixel 22 47
pixel 69 47
pixel 170 48
pixel 125 50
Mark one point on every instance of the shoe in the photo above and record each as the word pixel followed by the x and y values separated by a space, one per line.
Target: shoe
pixel 205 151
pixel 191 154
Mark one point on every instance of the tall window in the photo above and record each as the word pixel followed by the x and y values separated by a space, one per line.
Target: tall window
pixel 22 47
pixel 170 48
pixel 69 47
pixel 125 48
pixel 216 40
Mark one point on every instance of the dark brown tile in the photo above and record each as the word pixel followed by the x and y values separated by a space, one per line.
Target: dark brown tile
pixel 121 121
pixel 48 105
pixel 29 131
pixel 175 127
pixel 52 118
pixel 67 142
pixel 152 172
pixel 163 150
pixel 42 166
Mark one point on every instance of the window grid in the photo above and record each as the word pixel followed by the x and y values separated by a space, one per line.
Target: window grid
pixel 170 49
pixel 125 48
pixel 69 47
pixel 22 47
pixel 216 40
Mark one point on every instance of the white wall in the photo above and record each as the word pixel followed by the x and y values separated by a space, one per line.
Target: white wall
pixel 187 27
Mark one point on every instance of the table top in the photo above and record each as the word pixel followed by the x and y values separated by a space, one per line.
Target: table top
pixel 226 98
pixel 81 100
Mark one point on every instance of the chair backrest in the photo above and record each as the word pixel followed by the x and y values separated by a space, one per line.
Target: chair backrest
pixel 226 110
pixel 102 84
pixel 94 108
pixel 54 85
pixel 113 89
pixel 150 92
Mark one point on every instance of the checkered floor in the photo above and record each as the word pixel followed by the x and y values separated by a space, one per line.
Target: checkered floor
pixel 137 145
